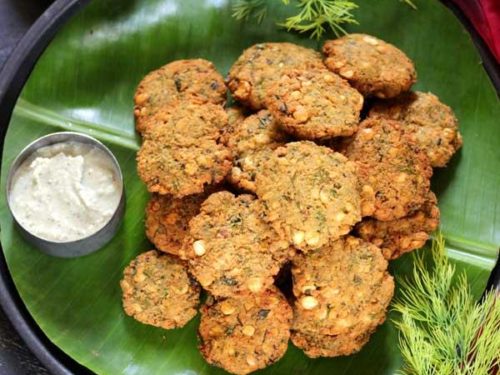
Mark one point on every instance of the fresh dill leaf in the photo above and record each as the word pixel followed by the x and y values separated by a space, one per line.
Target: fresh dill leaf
pixel 246 9
pixel 443 330
pixel 313 16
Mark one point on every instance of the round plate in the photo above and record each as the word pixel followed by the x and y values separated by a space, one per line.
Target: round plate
pixel 101 29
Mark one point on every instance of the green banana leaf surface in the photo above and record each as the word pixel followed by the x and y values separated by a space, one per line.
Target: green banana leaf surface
pixel 85 82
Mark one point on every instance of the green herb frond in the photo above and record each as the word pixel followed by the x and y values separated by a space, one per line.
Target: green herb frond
pixel 312 16
pixel 443 330
pixel 315 16
pixel 246 9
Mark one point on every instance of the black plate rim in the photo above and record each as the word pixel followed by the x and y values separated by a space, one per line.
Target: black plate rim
pixel 13 77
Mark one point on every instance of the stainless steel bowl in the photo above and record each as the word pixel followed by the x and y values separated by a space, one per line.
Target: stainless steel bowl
pixel 82 246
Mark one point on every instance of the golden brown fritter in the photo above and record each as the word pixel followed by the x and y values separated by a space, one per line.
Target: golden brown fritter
pixel 432 124
pixel 247 332
pixel 341 289
pixel 167 219
pixel 247 167
pixel 397 237
pixel 194 80
pixel 235 114
pixel 366 191
pixel 316 345
pixel 315 104
pixel 183 154
pixel 158 291
pixel 372 66
pixel 231 248
pixel 261 65
pixel 310 194
pixel 252 143
pixel 390 162
pixel 254 132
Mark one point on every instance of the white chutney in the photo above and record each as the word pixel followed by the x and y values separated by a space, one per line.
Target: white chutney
pixel 65 192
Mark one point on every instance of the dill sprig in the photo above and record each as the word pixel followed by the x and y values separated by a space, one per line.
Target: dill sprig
pixel 443 330
pixel 316 15
pixel 313 16
pixel 246 9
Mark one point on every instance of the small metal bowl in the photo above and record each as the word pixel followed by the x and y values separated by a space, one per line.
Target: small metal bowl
pixel 84 245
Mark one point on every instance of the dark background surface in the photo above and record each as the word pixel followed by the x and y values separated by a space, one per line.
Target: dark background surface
pixel 16 16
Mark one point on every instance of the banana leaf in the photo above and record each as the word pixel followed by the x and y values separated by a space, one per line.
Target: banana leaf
pixel 85 81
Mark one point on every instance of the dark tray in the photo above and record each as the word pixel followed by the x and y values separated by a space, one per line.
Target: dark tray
pixel 12 79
